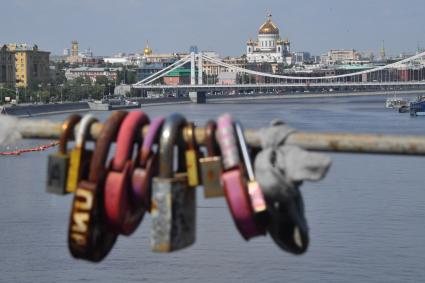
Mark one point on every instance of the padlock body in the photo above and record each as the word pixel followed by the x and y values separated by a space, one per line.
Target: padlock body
pixel 210 173
pixel 57 173
pixel 82 219
pixel 240 204
pixel 87 237
pixel 173 214
pixel 192 168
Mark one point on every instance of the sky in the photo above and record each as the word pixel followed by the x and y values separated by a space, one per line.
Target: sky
pixel 112 26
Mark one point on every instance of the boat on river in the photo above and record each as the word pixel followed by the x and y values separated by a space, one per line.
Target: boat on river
pixel 112 104
pixel 396 102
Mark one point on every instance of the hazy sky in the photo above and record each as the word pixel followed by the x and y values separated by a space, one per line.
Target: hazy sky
pixel 111 26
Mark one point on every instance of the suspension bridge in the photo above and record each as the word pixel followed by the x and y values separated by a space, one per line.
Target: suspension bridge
pixel 407 73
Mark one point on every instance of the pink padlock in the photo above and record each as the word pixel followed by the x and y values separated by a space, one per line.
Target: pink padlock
pixel 234 183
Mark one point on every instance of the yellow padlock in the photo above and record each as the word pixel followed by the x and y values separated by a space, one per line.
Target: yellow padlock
pixel 79 156
pixel 191 154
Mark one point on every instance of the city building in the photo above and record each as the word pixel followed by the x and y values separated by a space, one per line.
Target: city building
pixel 7 68
pixel 150 63
pixel 340 56
pixel 31 65
pixel 85 58
pixel 227 78
pixel 301 57
pixel 74 58
pixel 179 76
pixel 269 47
pixel 92 73
pixel 66 52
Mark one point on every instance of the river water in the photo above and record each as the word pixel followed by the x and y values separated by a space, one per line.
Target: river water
pixel 366 219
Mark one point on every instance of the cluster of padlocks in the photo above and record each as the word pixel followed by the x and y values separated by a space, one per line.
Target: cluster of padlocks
pixel 148 174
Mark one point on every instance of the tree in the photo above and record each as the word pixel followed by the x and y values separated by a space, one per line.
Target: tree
pixel 102 80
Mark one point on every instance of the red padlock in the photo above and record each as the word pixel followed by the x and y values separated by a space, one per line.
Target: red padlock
pixel 147 166
pixel 122 215
pixel 233 180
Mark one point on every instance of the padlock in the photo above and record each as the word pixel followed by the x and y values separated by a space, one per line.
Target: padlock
pixel 211 167
pixel 88 237
pixel 255 192
pixel 173 201
pixel 58 163
pixel 147 166
pixel 191 156
pixel 79 156
pixel 123 215
pixel 233 181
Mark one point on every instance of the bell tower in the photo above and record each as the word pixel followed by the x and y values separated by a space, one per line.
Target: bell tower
pixel 74 48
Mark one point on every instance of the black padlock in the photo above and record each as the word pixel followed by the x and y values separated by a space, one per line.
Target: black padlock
pixel 57 164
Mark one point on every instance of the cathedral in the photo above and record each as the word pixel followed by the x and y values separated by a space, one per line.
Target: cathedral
pixel 269 47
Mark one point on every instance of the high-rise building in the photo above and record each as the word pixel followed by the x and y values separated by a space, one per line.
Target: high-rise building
pixel 31 65
pixel 7 68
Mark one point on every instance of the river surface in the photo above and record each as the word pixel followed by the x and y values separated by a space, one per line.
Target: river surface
pixel 366 218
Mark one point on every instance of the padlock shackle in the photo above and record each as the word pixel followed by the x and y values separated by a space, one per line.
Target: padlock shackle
pixel 171 135
pixel 211 144
pixel 152 135
pixel 67 130
pixel 83 129
pixel 126 136
pixel 244 149
pixel 189 131
pixel 226 137
pixel 103 143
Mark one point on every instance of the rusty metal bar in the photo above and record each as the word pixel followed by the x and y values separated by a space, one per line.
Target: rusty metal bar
pixel 331 142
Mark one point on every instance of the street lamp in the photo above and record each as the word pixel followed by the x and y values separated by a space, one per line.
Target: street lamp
pixel 61 86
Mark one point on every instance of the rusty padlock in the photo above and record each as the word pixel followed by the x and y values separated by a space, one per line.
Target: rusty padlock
pixel 173 201
pixel 211 167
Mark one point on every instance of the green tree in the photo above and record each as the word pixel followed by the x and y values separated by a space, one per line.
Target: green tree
pixel 102 80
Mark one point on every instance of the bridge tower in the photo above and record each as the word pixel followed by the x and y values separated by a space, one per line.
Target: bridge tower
pixel 200 67
pixel 192 69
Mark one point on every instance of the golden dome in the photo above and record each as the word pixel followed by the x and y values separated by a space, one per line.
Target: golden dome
pixel 279 42
pixel 268 27
pixel 147 50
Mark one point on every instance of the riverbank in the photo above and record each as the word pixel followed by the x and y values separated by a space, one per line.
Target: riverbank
pixel 220 98
pixel 33 110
